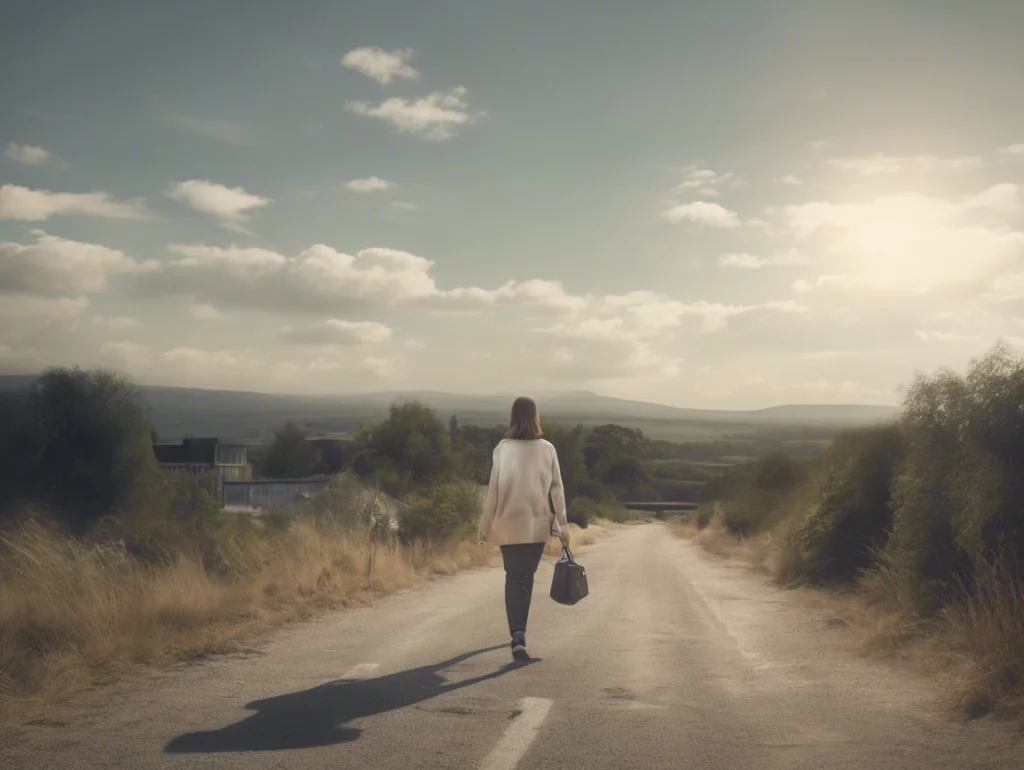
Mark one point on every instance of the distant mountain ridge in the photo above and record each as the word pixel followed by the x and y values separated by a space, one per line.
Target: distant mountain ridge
pixel 177 411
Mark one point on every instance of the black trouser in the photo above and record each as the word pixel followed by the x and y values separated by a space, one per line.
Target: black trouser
pixel 521 562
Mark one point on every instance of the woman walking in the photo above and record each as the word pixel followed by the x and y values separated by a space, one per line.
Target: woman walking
pixel 525 505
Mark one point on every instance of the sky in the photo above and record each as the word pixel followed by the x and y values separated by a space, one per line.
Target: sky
pixel 722 205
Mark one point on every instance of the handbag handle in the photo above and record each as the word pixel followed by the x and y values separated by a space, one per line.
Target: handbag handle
pixel 567 555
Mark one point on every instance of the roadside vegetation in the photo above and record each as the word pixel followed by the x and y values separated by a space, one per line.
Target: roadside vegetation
pixel 109 563
pixel 916 528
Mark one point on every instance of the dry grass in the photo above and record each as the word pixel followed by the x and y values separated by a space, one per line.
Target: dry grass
pixel 76 615
pixel 579 538
pixel 982 640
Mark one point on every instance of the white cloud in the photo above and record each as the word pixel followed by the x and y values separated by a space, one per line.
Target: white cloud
pixel 369 184
pixel 116 323
pixel 435 117
pixel 53 264
pixel 932 335
pixel 28 154
pixel 789 179
pixel 415 344
pixel 337 332
pixel 744 261
pixel 1013 149
pixel 276 369
pixel 383 367
pixel 36 320
pixel 321 279
pixel 403 206
pixel 221 130
pixel 703 213
pixel 36 205
pixel 820 144
pixel 917 243
pixel 203 312
pixel 383 66
pixel 880 164
pixel 706 181
pixel 228 204
pixel 129 357
pixel 804 286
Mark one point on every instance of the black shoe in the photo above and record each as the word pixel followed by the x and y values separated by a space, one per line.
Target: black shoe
pixel 519 647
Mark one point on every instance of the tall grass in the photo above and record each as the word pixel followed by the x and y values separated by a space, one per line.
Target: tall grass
pixel 74 614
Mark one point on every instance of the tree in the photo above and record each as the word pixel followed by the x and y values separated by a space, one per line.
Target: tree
pixel 453 425
pixel 78 441
pixel 568 442
pixel 291 456
pixel 411 448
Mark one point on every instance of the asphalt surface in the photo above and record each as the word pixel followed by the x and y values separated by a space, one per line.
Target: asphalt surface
pixel 675 660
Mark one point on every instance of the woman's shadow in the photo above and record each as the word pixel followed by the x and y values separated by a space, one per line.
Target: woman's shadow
pixel 318 716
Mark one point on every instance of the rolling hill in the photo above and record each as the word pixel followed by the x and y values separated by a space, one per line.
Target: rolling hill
pixel 238 415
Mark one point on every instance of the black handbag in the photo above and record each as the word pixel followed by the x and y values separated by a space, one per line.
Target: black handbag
pixel 569 585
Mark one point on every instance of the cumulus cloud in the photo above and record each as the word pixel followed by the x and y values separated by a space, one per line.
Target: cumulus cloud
pixel 28 154
pixel 322 279
pixel 54 264
pixel 789 179
pixel 383 66
pixel 706 181
pixel 230 205
pixel 203 312
pixel 880 164
pixel 435 117
pixel 745 261
pixel 915 242
pixel 30 320
pixel 338 332
pixel 369 184
pixel 703 213
pixel 37 205
pixel 1013 150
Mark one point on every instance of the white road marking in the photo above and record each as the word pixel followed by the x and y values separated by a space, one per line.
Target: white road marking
pixel 519 735
pixel 362 671
pixel 717 613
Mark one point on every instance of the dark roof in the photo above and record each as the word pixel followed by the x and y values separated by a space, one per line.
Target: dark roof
pixel 200 451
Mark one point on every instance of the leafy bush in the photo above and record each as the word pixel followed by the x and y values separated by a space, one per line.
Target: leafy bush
pixel 959 498
pixel 441 511
pixel 758 495
pixel 844 529
pixel 581 511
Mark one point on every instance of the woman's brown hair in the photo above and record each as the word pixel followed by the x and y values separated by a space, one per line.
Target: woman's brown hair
pixel 525 420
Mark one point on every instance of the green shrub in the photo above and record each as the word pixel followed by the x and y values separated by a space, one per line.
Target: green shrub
pixel 441 511
pixel 756 496
pixel 959 497
pixel 581 510
pixel 850 521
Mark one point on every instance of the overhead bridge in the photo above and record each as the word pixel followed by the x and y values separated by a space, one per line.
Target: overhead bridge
pixel 660 508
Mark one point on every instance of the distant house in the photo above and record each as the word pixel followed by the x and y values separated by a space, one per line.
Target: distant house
pixel 228 462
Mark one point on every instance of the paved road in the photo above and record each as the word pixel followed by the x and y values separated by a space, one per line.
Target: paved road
pixel 676 660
